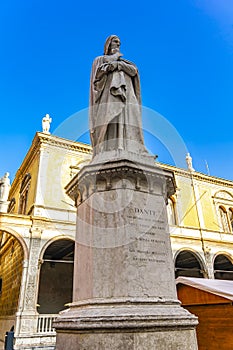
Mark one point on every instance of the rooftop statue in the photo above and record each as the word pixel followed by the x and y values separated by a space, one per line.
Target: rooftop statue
pixel 4 187
pixel 115 102
pixel 189 162
pixel 46 121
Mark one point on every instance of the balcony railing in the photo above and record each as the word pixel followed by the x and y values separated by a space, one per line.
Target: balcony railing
pixel 44 323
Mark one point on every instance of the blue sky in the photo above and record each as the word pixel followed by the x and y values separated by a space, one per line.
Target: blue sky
pixel 183 49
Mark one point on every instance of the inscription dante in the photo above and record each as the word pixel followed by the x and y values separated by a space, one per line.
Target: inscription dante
pixel 145 211
pixel 121 223
pixel 149 246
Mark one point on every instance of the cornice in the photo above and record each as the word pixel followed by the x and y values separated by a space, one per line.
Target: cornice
pixel 198 176
pixel 143 177
pixel 38 143
pixel 197 239
pixel 64 143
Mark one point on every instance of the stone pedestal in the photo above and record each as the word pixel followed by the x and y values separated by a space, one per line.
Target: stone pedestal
pixel 124 293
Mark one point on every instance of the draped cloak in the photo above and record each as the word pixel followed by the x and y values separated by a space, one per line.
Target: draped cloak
pixel 115 100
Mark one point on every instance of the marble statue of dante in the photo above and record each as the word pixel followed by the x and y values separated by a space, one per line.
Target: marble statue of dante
pixel 115 102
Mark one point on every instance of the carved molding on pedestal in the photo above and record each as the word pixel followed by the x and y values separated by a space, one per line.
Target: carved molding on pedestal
pixel 120 174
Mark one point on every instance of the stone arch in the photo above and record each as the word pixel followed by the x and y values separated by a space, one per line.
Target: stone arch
pixel 223 194
pixel 189 263
pixel 223 266
pixel 50 241
pixel 56 275
pixel 18 237
pixel 13 252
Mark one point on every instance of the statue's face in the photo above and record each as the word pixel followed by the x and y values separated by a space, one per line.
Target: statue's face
pixel 115 45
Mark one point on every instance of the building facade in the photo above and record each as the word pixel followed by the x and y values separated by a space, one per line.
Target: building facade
pixel 37 241
pixel 37 235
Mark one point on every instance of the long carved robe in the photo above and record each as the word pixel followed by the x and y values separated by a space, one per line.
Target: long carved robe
pixel 115 106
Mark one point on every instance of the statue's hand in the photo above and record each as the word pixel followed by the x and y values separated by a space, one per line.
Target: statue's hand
pixel 113 66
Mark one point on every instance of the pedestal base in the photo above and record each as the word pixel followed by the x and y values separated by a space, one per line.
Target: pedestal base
pixel 132 324
pixel 157 340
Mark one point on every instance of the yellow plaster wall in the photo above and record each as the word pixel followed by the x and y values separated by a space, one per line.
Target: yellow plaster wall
pixel 15 194
pixel 50 173
pixel 32 169
pixel 186 205
pixel 208 209
pixel 58 174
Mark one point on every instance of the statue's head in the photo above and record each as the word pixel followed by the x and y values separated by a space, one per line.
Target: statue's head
pixel 112 43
